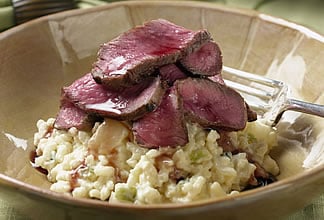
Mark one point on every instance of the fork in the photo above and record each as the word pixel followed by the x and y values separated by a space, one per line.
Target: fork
pixel 268 97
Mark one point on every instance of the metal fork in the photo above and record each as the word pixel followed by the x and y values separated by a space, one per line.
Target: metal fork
pixel 268 97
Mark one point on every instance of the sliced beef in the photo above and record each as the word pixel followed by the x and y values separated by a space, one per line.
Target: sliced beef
pixel 72 116
pixel 224 141
pixel 251 115
pixel 170 73
pixel 207 60
pixel 212 105
pixel 163 127
pixel 217 78
pixel 129 104
pixel 137 53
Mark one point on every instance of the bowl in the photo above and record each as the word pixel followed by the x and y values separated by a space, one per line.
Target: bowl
pixel 41 56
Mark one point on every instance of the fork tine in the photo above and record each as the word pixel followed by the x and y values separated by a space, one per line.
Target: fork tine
pixel 246 89
pixel 266 96
pixel 259 92
pixel 252 77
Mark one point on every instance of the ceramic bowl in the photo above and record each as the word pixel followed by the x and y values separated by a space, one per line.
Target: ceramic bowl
pixel 39 57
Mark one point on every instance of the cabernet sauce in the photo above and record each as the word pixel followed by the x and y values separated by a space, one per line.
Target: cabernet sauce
pixel 75 176
pixel 32 157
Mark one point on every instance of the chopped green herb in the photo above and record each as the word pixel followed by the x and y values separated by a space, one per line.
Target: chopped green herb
pixel 251 138
pixel 196 155
pixel 91 174
pixel 126 194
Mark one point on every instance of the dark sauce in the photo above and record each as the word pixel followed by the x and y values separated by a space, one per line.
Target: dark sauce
pixel 225 142
pixel 32 157
pixel 260 182
pixel 175 175
pixel 75 174
pixel 111 162
pixel 33 154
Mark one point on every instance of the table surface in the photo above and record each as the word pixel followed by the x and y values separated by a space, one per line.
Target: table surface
pixel 309 13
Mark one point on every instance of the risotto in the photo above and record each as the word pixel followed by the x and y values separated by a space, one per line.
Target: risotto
pixel 107 164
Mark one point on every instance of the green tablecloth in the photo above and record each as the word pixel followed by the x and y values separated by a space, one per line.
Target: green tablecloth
pixel 309 13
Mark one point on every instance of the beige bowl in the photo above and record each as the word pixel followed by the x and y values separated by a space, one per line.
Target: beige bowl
pixel 39 57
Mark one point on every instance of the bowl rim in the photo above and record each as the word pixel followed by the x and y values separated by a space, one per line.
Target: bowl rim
pixel 312 174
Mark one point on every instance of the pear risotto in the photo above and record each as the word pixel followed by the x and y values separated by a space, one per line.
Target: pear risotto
pixel 106 163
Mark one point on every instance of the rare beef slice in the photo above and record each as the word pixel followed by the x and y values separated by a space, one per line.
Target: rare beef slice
pixel 72 116
pixel 206 61
pixel 129 104
pixel 138 52
pixel 163 127
pixel 212 105
pixel 170 73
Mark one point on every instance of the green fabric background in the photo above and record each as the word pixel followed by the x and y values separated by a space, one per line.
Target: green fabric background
pixel 309 13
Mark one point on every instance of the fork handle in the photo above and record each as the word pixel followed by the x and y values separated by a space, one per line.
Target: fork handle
pixel 305 107
pixel 300 106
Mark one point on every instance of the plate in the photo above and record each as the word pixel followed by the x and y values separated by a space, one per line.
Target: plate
pixel 41 56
